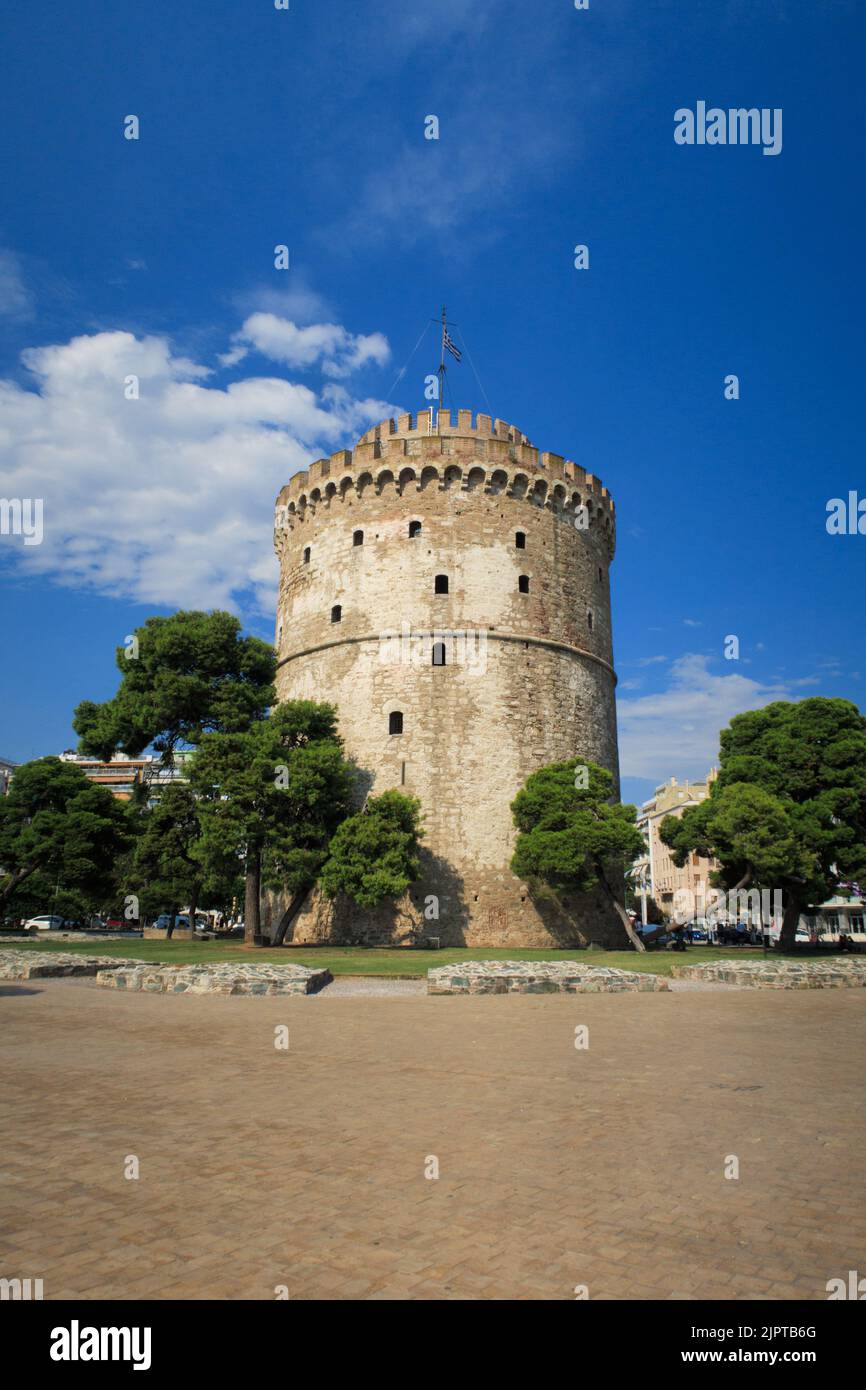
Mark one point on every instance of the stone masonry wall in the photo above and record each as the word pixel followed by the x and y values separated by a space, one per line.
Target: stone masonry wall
pixel 531 683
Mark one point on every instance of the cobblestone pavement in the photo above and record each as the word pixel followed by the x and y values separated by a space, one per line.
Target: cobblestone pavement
pixel 557 1166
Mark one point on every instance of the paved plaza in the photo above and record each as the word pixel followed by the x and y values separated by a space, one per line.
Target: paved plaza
pixel 559 1166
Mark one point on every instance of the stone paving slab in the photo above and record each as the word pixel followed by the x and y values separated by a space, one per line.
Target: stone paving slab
pixel 781 974
pixel 539 977
pixel 556 1166
pixel 33 965
pixel 215 979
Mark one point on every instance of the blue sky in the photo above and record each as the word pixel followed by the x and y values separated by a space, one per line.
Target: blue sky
pixel 259 127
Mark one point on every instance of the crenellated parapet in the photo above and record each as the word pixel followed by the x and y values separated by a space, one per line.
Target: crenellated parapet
pixel 432 451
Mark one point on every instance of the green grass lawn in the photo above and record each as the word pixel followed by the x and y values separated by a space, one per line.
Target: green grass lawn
pixel 363 960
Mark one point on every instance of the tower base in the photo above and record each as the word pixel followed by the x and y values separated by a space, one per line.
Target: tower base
pixel 497 912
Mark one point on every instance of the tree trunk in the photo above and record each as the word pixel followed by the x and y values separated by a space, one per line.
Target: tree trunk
pixel 14 881
pixel 193 904
pixel 790 919
pixel 172 918
pixel 252 892
pixel 286 919
pixel 633 936
pixel 661 931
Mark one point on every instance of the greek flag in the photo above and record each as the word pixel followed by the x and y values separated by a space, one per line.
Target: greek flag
pixel 455 351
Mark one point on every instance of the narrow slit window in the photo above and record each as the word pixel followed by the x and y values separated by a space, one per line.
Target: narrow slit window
pixel 414 529
pixel 306 554
pixel 440 585
pixel 523 583
pixel 357 537
pixel 589 619
pixel 336 613
pixel 438 653
pixel 395 722
pixel 520 540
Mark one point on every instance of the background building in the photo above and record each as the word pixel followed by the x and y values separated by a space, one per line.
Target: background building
pixel 6 770
pixel 663 878
pixel 122 774
pixel 446 587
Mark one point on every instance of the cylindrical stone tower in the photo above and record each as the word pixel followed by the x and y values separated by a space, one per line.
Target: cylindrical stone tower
pixel 447 589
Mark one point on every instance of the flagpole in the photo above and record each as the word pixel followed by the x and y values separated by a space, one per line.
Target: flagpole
pixel 442 370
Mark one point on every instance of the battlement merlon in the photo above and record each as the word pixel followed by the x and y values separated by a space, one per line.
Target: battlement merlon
pixel 393 445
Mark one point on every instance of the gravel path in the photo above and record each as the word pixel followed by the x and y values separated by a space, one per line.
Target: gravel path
pixel 358 986
pixel 701 986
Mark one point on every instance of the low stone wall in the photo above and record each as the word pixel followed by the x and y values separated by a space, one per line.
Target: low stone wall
pixel 35 965
pixel 779 974
pixel 539 977
pixel 215 979
pixel 88 936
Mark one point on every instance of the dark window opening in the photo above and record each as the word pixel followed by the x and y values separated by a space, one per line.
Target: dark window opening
pixel 441 584
pixel 414 529
pixel 395 722
pixel 357 537
pixel 523 583
pixel 520 540
pixel 438 653
pixel 589 619
pixel 306 555
pixel 336 613
pixel 599 574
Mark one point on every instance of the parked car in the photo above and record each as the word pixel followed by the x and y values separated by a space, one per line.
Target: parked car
pixel 163 921
pixel 48 922
pixel 670 941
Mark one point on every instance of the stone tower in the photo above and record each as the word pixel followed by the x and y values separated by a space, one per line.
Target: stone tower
pixel 446 587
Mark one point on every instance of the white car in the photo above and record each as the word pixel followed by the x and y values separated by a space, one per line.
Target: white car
pixel 47 923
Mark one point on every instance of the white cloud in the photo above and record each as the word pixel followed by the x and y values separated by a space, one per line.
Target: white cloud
pixel 15 299
pixel 295 299
pixel 281 340
pixel 166 499
pixel 675 733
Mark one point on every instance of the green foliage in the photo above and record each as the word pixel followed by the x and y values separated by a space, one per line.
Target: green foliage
pixel 570 837
pixel 788 809
pixel 166 871
pixel 193 673
pixel 59 825
pixel 374 854
pixel 278 790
